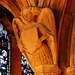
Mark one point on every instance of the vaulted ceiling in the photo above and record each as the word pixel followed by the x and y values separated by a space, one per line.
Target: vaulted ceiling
pixel 15 6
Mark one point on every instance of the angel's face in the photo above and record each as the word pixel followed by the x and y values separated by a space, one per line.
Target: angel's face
pixel 27 15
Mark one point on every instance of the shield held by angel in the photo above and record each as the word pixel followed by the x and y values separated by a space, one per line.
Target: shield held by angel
pixel 35 32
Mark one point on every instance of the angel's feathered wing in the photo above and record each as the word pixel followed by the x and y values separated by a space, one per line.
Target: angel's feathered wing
pixel 47 18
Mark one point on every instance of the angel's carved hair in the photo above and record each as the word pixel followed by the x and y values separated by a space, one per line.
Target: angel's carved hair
pixel 34 10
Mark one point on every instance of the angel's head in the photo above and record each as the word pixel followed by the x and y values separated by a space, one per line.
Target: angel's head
pixel 29 13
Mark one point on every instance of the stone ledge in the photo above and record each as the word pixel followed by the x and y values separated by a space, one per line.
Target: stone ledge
pixel 48 70
pixel 70 71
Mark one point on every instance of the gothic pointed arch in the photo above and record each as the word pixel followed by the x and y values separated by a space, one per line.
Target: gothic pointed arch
pixel 11 7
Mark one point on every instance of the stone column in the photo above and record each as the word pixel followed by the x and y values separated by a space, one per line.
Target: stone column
pixel 15 58
pixel 71 70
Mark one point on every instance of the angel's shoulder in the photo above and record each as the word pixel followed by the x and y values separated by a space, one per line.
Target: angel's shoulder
pixel 17 19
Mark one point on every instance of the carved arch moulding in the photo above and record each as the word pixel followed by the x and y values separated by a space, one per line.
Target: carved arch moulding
pixel 10 5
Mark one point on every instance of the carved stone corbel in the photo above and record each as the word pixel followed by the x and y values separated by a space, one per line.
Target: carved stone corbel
pixel 35 32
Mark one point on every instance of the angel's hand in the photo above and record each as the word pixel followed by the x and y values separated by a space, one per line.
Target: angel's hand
pixel 38 43
pixel 40 40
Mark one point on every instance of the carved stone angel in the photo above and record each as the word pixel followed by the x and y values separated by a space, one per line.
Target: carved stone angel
pixel 35 32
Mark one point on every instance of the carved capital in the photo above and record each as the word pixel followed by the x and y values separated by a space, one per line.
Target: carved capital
pixel 47 70
pixel 70 71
